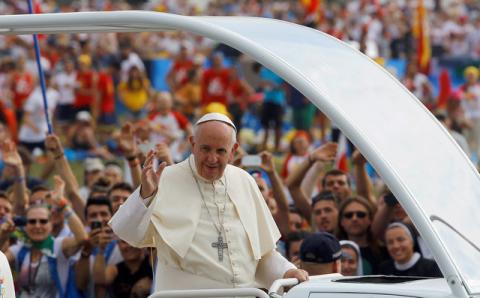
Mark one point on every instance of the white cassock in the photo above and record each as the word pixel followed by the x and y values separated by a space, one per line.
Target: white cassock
pixel 6 280
pixel 177 223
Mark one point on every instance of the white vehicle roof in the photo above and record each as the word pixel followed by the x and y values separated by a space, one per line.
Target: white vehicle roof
pixel 423 166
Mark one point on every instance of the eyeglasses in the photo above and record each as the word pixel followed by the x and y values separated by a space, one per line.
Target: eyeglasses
pixel 34 221
pixel 358 214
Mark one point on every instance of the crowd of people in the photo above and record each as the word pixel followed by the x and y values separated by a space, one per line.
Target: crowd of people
pixel 59 190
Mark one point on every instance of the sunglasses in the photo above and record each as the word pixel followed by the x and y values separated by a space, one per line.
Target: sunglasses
pixel 358 214
pixel 34 221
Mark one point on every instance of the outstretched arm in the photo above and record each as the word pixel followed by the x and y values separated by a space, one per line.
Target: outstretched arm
pixel 13 160
pixel 279 194
pixel 364 185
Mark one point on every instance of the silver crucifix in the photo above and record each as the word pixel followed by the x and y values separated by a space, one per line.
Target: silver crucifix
pixel 220 246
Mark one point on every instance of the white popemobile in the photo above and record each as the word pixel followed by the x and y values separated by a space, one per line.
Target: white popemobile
pixel 422 165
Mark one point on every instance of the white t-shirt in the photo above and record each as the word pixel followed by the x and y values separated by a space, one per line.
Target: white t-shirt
pixel 34 106
pixel 66 87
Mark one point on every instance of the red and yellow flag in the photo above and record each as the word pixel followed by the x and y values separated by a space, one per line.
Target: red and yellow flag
pixel 421 32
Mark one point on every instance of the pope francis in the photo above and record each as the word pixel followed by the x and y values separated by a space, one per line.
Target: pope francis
pixel 207 219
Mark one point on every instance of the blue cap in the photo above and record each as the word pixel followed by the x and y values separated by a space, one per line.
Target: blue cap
pixel 320 248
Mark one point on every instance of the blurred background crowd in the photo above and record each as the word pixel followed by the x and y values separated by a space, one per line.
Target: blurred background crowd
pixel 113 97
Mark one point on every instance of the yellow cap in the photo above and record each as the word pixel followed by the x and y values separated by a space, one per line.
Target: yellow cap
pixel 471 70
pixel 85 59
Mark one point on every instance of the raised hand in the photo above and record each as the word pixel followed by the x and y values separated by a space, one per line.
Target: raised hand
pixel 357 158
pixel 58 188
pixel 150 177
pixel 324 153
pixel 10 154
pixel 126 140
pixel 267 162
pixel 54 146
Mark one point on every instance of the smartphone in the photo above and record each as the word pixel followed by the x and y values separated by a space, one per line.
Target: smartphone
pixel 251 161
pixel 95 225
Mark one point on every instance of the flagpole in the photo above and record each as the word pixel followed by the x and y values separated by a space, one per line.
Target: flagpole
pixel 40 72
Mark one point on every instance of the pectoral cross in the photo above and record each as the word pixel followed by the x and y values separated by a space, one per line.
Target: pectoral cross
pixel 220 246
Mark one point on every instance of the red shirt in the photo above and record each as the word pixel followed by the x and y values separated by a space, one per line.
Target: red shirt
pixel 180 70
pixel 85 81
pixel 22 86
pixel 106 91
pixel 214 86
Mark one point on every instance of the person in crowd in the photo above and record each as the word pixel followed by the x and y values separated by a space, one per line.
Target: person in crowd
pixel 93 171
pixel 34 125
pixel 101 246
pixel 351 259
pixel 276 193
pixel 134 92
pixel 118 194
pixel 177 76
pixel 65 82
pixel 169 126
pixel 317 157
pixel 82 137
pixel 238 95
pixel 86 84
pixel 130 278
pixel 404 260
pixel 299 147
pixel 42 261
pixel 273 88
pixel 113 172
pixel 293 242
pixel 470 103
pixel 215 82
pixel 22 85
pixel 355 218
pixel 320 253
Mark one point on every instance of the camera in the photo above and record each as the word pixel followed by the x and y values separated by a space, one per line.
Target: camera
pixel 19 221
pixel 95 225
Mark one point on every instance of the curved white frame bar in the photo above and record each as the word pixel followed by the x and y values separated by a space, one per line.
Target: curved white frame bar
pixel 349 88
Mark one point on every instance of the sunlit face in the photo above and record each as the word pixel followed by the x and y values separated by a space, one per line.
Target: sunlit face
pixel 325 216
pixel 399 245
pixel 40 196
pixel 355 219
pixel 113 174
pixel 38 224
pixel 99 213
pixel 212 148
pixel 295 222
pixel 349 261
pixel 118 197
pixel 338 184
pixel 129 253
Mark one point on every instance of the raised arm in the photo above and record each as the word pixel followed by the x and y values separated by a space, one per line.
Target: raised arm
pixel 55 148
pixel 322 154
pixel 128 146
pixel 364 185
pixel 12 159
pixel 278 192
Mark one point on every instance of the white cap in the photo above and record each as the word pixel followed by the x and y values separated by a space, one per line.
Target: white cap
pixel 84 116
pixel 216 117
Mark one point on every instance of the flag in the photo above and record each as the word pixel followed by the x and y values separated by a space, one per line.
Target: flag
pixel 341 160
pixel 421 32
pixel 445 89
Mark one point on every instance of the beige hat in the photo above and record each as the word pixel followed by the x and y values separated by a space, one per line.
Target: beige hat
pixel 216 117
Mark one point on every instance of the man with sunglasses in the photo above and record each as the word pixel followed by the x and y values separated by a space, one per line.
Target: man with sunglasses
pixel 356 215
